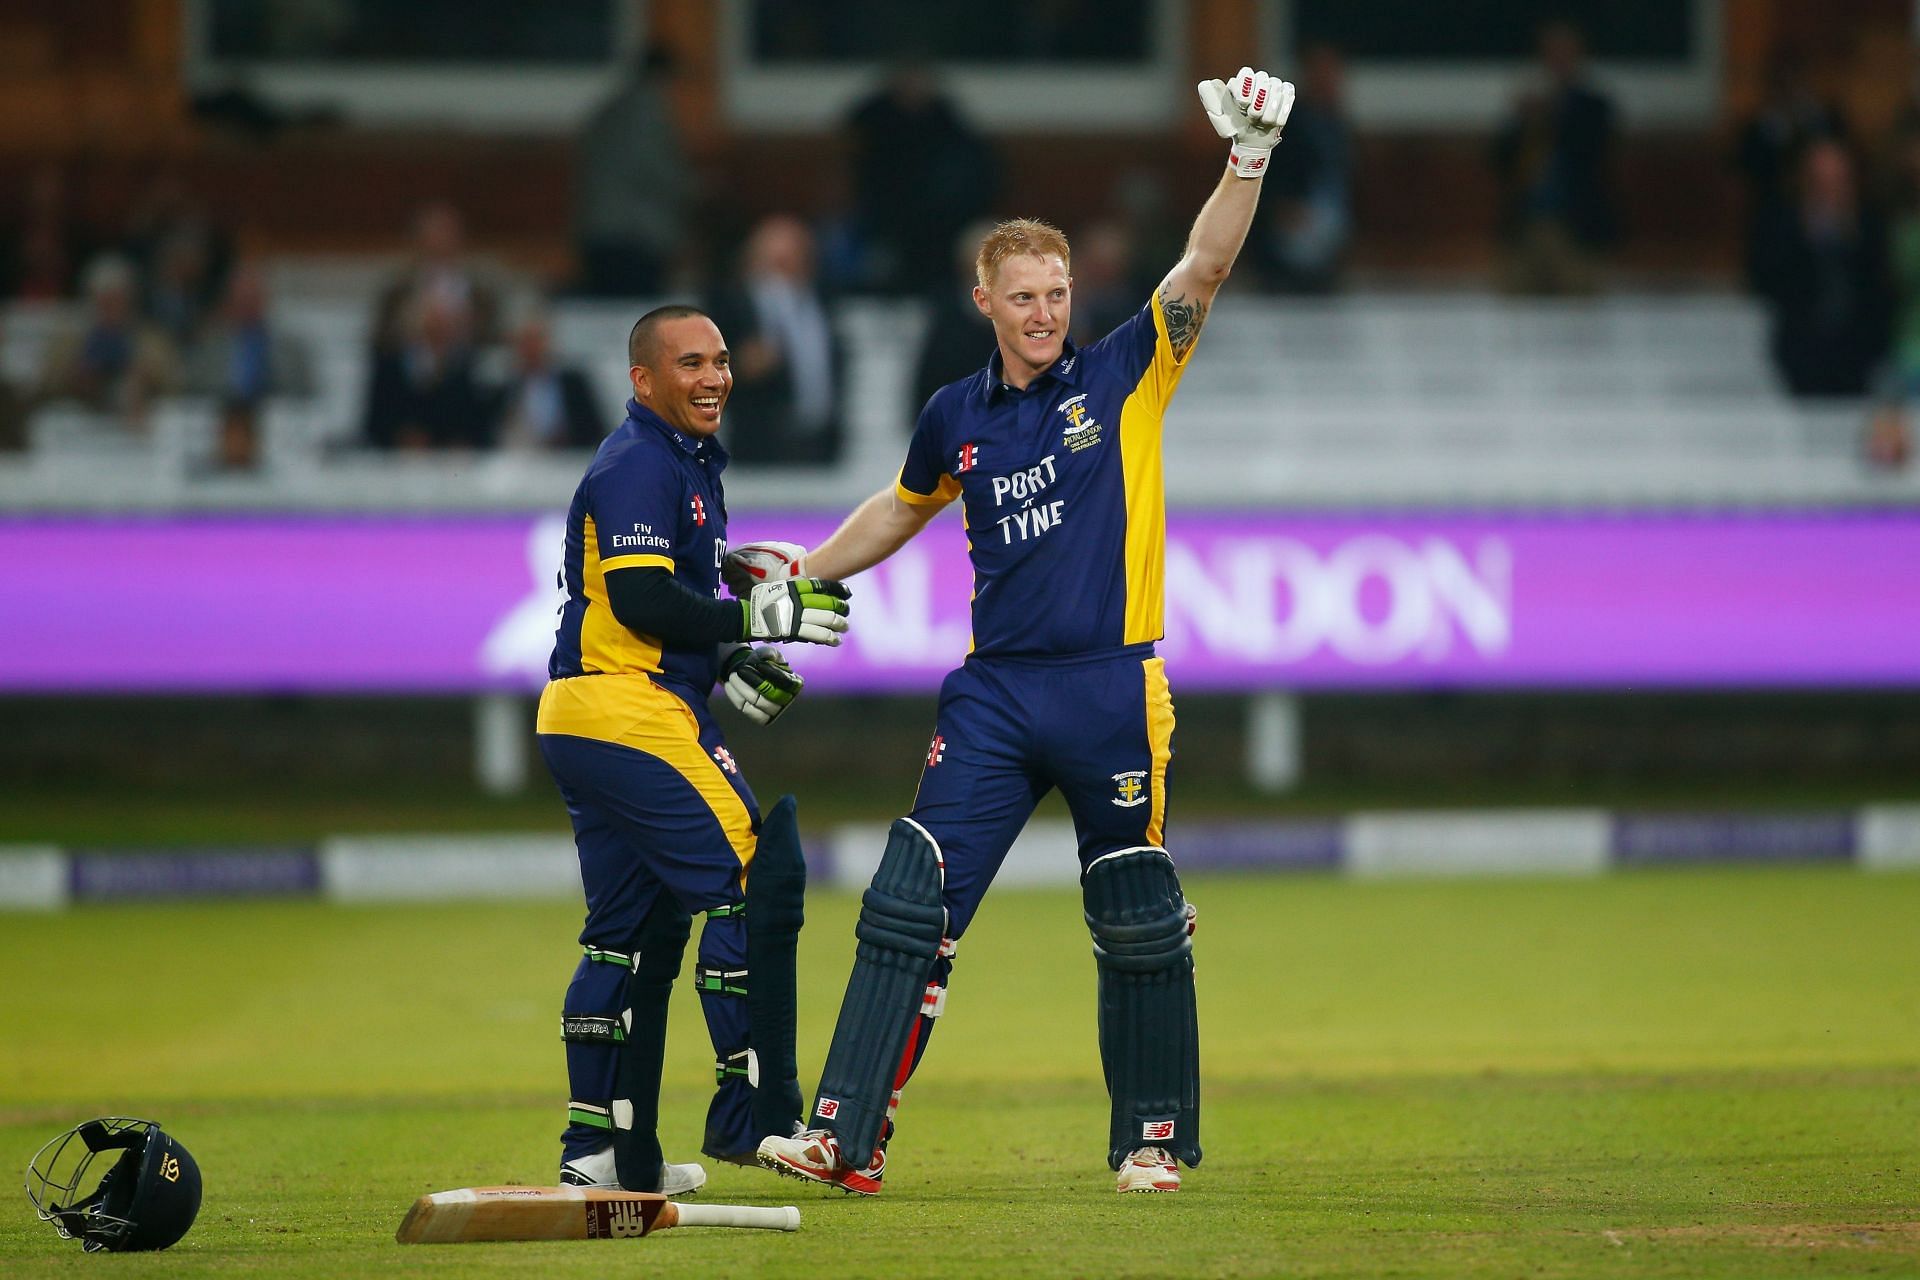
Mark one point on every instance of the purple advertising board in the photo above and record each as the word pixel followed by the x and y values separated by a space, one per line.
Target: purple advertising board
pixel 437 603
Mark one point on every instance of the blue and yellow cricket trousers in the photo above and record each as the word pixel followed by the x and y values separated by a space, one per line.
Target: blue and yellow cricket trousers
pixel 1097 726
pixel 665 827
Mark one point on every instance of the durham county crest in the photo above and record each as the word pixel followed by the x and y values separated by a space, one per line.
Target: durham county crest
pixel 1130 788
pixel 1082 432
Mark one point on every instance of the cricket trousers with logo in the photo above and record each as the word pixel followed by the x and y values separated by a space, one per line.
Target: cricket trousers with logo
pixel 662 821
pixel 1097 726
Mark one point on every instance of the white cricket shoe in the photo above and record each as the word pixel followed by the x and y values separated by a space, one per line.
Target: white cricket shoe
pixel 814 1154
pixel 1149 1169
pixel 597 1170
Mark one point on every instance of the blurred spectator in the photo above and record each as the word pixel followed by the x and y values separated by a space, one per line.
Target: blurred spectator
pixel 920 173
pixel 1889 434
pixel 785 405
pixel 1889 442
pixel 112 361
pixel 424 394
pixel 634 186
pixel 177 294
pixel 1904 245
pixel 179 254
pixel 1306 202
pixel 1554 159
pixel 41 249
pixel 242 360
pixel 1791 117
pixel 244 357
pixel 1822 266
pixel 1156 233
pixel 1103 292
pixel 846 258
pixel 543 404
pixel 13 404
pixel 237 438
pixel 959 339
pixel 440 268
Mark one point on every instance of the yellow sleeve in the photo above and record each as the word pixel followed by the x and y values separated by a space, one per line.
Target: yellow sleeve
pixel 949 490
pixel 639 561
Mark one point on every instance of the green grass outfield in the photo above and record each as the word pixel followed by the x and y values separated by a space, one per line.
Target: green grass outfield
pixel 1679 1073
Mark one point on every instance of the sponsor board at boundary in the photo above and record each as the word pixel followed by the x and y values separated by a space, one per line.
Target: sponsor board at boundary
pixel 1530 842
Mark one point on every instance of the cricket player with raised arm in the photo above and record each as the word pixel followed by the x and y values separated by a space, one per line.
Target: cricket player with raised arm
pixel 1054 451
pixel 665 826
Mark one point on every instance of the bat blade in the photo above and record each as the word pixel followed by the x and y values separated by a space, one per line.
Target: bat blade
pixel 474 1214
pixel 477 1214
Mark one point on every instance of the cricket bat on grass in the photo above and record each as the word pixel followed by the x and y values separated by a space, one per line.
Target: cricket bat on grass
pixel 569 1213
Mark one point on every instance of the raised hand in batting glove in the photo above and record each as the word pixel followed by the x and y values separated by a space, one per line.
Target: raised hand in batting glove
pixel 747 567
pixel 1249 112
pixel 759 683
pixel 809 609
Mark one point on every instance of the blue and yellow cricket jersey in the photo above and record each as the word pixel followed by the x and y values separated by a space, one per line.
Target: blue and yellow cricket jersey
pixel 1062 489
pixel 652 497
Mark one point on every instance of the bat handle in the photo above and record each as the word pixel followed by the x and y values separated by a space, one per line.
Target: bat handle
pixel 786 1218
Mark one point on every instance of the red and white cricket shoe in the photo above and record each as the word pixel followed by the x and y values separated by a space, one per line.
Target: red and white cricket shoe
pixel 814 1155
pixel 1149 1169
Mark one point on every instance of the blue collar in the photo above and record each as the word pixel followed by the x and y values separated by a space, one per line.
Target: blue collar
pixel 701 448
pixel 1065 370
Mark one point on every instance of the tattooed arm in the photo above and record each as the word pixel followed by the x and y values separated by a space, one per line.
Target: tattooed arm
pixel 1212 245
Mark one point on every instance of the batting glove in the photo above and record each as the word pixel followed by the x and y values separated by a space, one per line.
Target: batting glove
pixel 747 567
pixel 759 683
pixel 809 609
pixel 1249 113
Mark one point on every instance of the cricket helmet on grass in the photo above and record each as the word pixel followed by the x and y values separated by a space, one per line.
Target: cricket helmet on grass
pixel 146 1200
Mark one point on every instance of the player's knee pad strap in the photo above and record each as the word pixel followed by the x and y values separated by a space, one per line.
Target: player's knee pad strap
pixel 596 999
pixel 721 982
pixel 588 1028
pixel 741 1065
pixel 1149 1028
pixel 901 928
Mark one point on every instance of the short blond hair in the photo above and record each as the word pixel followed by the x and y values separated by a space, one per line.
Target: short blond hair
pixel 1018 236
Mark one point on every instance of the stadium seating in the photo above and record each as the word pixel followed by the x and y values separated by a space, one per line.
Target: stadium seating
pixel 1377 399
pixel 1477 399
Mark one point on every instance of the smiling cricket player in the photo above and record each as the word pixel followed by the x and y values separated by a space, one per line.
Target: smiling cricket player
pixel 1054 452
pixel 665 825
